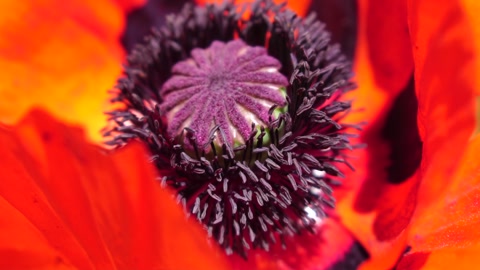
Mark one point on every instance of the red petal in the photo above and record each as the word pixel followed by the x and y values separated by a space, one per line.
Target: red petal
pixel 445 82
pixel 395 214
pixel 62 56
pixel 22 246
pixel 96 210
pixel 413 261
pixel 388 43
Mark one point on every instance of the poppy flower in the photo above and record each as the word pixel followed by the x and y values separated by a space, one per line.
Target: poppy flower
pixel 407 204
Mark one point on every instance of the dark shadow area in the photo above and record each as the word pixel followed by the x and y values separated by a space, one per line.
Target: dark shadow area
pixel 341 19
pixel 401 133
pixel 394 149
pixel 141 20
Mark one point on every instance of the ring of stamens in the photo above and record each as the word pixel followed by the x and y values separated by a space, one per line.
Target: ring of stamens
pixel 252 193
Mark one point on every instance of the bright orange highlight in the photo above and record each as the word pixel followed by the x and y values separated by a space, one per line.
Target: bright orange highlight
pixel 60 55
pixel 472 9
pixel 299 6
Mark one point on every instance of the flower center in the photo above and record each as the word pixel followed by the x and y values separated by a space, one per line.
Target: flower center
pixel 215 79
pixel 230 85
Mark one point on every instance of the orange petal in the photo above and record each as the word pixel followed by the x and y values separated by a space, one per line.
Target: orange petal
pixel 445 258
pixel 445 83
pixel 62 56
pixel 472 9
pixel 452 220
pixel 449 258
pixel 85 208
pixel 447 231
pixel 300 6
pixel 477 130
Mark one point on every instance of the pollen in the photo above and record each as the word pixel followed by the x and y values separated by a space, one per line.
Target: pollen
pixel 229 85
pixel 242 114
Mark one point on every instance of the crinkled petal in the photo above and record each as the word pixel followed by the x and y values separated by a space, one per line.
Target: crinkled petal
pixel 81 206
pixel 62 56
pixel 445 82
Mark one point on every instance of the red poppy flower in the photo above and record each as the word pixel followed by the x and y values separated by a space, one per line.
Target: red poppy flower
pixel 410 202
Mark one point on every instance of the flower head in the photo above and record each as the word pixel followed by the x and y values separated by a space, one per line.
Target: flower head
pixel 240 126
pixel 68 203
